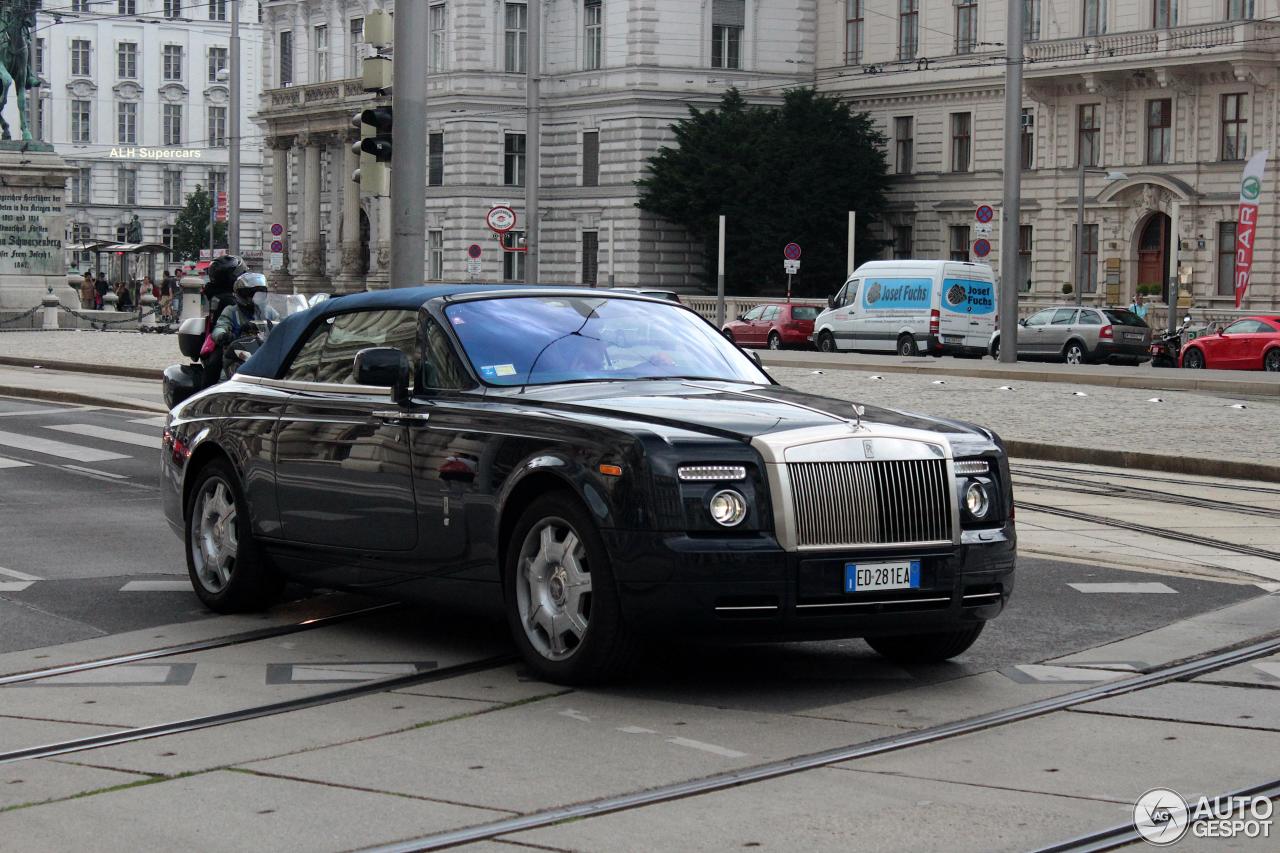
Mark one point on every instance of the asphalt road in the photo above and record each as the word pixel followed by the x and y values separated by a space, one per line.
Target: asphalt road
pixel 80 514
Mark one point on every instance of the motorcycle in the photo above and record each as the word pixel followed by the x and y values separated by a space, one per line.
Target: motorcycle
pixel 183 380
pixel 1166 348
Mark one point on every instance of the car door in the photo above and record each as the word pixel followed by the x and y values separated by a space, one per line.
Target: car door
pixel 1031 333
pixel 1246 348
pixel 765 324
pixel 845 316
pixel 342 457
pixel 745 331
pixel 1231 349
pixel 1059 330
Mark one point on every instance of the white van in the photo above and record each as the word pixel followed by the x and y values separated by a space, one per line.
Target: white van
pixel 911 307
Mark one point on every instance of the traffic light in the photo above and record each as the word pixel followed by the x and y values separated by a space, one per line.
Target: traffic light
pixel 374 148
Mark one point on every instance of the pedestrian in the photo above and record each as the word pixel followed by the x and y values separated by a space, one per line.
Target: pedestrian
pixel 87 292
pixel 124 299
pixel 100 288
pixel 167 285
pixel 1139 307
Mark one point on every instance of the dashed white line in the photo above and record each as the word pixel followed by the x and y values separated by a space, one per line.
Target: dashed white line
pixel 1141 588
pixel 17 575
pixel 156 586
pixel 724 752
pixel 48 447
pixel 109 434
pixel 13 463
pixel 156 422
pixel 95 472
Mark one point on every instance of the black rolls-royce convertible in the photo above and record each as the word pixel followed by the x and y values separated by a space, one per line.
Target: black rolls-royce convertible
pixel 604 466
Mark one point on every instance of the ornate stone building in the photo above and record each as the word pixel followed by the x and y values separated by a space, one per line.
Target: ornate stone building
pixel 134 96
pixel 1161 101
pixel 615 76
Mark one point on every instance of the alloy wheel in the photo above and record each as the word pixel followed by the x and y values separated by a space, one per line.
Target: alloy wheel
pixel 1272 362
pixel 1193 360
pixel 1074 354
pixel 553 589
pixel 775 342
pixel 214 539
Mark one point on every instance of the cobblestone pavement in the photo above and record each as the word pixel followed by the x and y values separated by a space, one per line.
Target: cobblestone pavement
pixel 1186 423
pixel 124 349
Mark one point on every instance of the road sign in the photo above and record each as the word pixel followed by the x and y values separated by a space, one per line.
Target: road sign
pixel 981 248
pixel 791 267
pixel 983 229
pixel 277 261
pixel 473 267
pixel 985 213
pixel 277 246
pixel 473 251
pixel 791 252
pixel 277 229
pixel 500 219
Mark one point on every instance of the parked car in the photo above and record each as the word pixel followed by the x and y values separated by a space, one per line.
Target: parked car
pixel 1081 336
pixel 773 326
pixel 911 307
pixel 598 465
pixel 1250 343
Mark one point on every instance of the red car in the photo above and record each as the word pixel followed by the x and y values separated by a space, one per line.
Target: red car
pixel 774 326
pixel 1250 343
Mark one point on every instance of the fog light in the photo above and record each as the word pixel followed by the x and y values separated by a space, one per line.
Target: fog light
pixel 976 500
pixel 728 508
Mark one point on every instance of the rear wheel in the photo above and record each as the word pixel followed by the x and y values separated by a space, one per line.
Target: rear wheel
pixel 1075 353
pixel 1193 359
pixel 927 648
pixel 995 349
pixel 228 570
pixel 729 335
pixel 1271 361
pixel 561 599
pixel 907 345
pixel 827 342
pixel 775 341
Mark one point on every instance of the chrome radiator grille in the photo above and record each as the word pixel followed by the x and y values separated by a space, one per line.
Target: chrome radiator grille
pixel 870 503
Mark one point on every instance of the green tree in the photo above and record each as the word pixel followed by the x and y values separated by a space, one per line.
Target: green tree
pixel 191 231
pixel 779 175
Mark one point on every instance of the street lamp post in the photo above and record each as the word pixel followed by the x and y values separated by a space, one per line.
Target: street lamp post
pixel 1080 270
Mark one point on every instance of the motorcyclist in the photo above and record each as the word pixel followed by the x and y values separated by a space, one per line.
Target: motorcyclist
pixel 223 273
pixel 249 305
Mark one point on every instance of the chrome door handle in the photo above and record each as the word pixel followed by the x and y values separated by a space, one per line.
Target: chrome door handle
pixel 396 415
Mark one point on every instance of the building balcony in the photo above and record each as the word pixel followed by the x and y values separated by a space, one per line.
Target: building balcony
pixel 312 96
pixel 1243 43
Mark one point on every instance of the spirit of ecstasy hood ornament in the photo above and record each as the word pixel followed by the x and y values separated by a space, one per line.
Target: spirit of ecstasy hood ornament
pixel 858 411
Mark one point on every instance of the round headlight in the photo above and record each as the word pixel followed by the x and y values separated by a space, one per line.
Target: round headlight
pixel 728 507
pixel 976 500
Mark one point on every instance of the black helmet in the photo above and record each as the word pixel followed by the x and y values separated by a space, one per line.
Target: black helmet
pixel 224 271
pixel 247 285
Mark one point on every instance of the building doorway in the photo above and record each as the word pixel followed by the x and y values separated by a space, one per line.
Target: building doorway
pixel 1153 255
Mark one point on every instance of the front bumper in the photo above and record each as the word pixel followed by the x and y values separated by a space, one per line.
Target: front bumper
pixel 752 588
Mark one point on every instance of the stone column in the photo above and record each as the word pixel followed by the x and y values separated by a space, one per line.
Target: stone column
pixel 379 277
pixel 281 279
pixel 333 243
pixel 352 276
pixel 309 279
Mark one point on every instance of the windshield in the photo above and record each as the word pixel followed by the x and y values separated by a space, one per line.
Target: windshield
pixel 800 312
pixel 1121 317
pixel 542 340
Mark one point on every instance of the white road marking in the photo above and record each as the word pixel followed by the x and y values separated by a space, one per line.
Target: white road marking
pixel 156 422
pixel 13 463
pixel 48 447
pixel 1269 586
pixel 48 411
pixel 126 674
pixel 1123 587
pixel 350 672
pixel 706 747
pixel 95 472
pixel 109 434
pixel 14 586
pixel 1272 669
pixel 575 715
pixel 636 730
pixel 157 586
pixel 17 575
pixel 1069 674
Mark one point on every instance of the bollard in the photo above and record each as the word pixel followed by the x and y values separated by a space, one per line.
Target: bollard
pixel 191 286
pixel 109 300
pixel 51 304
pixel 147 305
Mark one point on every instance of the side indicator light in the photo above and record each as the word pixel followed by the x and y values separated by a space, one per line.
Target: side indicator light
pixel 610 470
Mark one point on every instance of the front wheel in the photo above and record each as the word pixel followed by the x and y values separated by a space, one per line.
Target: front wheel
pixel 775 342
pixel 1193 359
pixel 995 349
pixel 907 346
pixel 228 571
pixel 1271 361
pixel 561 600
pixel 827 342
pixel 927 648
pixel 729 335
pixel 1075 353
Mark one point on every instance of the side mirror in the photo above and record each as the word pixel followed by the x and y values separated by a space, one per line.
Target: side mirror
pixel 191 337
pixel 1022 322
pixel 741 318
pixel 1187 319
pixel 831 302
pixel 384 367
pixel 755 356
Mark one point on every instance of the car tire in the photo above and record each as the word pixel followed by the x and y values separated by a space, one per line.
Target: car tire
pixel 907 345
pixel 228 570
pixel 1271 361
pixel 995 349
pixel 827 342
pixel 1075 353
pixel 1193 359
pixel 579 640
pixel 775 341
pixel 927 648
pixel 728 333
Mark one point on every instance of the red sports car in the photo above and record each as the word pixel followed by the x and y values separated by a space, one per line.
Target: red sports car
pixel 1250 343
pixel 774 326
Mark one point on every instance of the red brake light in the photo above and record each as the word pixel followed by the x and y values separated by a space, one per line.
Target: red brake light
pixel 935 321
pixel 1107 332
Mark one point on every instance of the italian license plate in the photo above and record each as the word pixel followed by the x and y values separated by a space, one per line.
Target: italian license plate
pixel 872 577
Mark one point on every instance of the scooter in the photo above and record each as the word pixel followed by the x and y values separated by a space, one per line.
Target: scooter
pixel 183 380
pixel 1166 348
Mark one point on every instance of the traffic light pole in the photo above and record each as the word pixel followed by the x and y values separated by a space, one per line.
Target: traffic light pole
pixel 233 137
pixel 1007 298
pixel 533 141
pixel 409 140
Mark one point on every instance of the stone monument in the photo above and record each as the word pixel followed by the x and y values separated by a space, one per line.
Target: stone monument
pixel 33 178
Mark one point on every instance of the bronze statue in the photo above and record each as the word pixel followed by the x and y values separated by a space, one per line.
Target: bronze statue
pixel 134 232
pixel 17 20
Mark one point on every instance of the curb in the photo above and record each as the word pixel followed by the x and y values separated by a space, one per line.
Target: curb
pixel 80 367
pixel 1162 379
pixel 72 397
pixel 1194 465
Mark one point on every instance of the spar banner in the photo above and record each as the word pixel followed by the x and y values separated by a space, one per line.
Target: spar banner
pixel 1247 220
